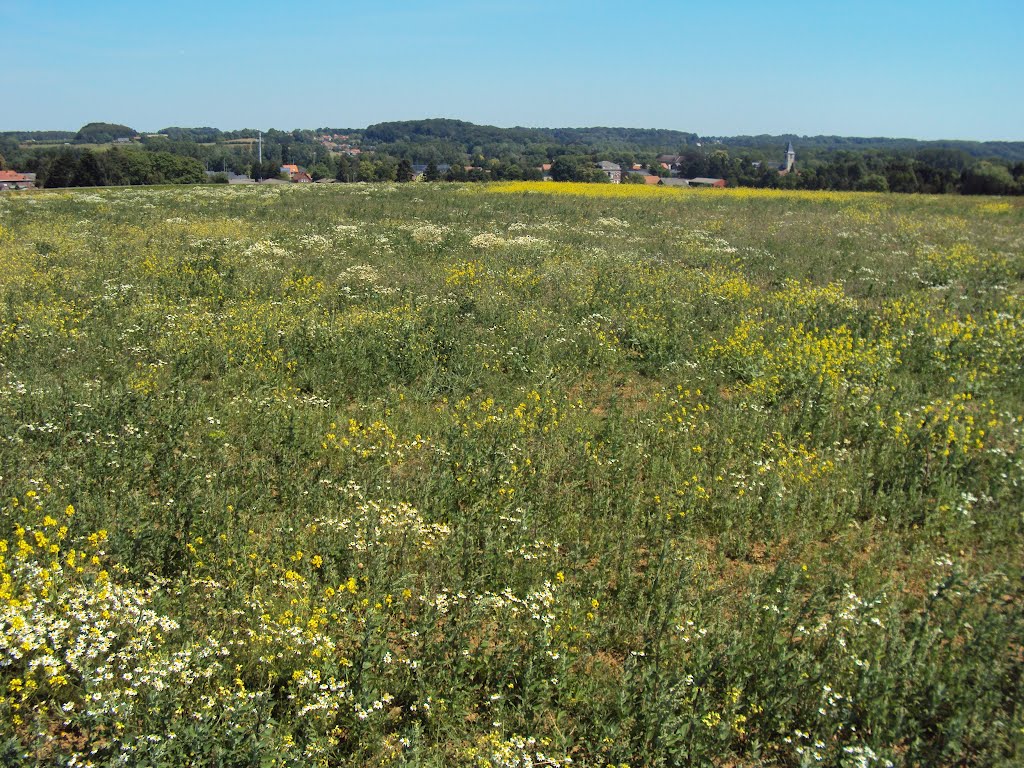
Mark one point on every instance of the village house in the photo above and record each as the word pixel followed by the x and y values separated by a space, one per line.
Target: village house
pixel 700 181
pixel 670 162
pixel 419 169
pixel 645 174
pixel 705 182
pixel 231 176
pixel 296 174
pixel 612 171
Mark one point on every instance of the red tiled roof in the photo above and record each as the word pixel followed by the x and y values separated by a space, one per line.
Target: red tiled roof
pixel 652 179
pixel 11 176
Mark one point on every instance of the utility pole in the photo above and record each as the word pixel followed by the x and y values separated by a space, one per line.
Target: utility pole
pixel 261 147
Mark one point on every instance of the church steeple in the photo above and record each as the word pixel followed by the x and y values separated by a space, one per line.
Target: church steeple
pixel 790 159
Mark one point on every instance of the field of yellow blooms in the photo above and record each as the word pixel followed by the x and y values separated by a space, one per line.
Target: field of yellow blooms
pixel 512 475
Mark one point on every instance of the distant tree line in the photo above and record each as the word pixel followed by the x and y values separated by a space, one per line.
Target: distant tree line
pixel 932 171
pixel 815 146
pixel 47 136
pixel 469 152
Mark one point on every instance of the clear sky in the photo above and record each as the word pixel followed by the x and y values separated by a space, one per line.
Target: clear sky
pixel 911 68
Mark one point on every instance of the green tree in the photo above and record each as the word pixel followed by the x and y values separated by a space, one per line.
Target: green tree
pixel 431 173
pixel 319 171
pixel 899 172
pixel 565 168
pixel 168 168
pixel 115 167
pixel 346 173
pixel 457 173
pixel 269 169
pixel 88 172
pixel 404 172
pixel 367 170
pixel 123 167
pixel 872 182
pixel 987 178
pixel 387 168
pixel 60 170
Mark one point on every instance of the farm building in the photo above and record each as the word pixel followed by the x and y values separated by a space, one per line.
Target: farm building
pixel 15 180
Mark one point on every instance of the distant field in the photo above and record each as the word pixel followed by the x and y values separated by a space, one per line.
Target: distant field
pixel 234 142
pixel 44 144
pixel 510 475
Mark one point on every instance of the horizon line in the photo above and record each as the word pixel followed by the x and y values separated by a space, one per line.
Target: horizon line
pixel 700 136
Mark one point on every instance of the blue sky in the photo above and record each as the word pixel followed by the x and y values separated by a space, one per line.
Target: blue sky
pixel 915 68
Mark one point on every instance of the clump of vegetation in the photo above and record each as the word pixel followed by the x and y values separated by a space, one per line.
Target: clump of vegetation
pixel 533 474
pixel 121 167
pixel 103 133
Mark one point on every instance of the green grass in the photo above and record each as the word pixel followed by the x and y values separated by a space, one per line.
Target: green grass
pixel 433 475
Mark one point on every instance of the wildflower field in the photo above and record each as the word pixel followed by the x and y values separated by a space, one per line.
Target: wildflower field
pixel 511 475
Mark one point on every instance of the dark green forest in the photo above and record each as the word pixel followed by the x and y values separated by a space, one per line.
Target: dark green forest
pixel 468 152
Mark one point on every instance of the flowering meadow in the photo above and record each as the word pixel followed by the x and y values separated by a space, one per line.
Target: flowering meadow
pixel 510 475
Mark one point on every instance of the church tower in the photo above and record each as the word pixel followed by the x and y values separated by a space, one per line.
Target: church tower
pixel 790 159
